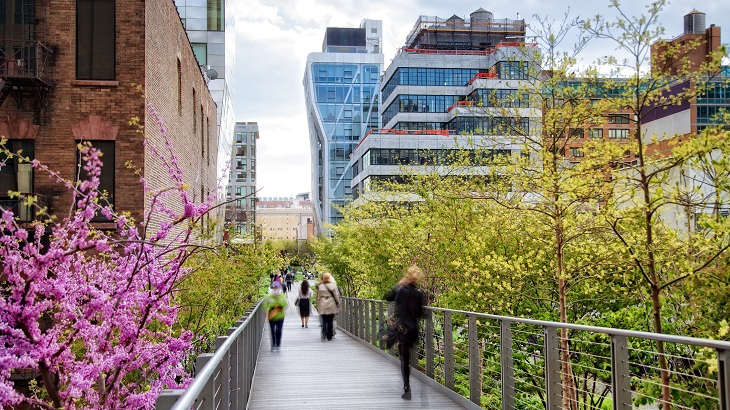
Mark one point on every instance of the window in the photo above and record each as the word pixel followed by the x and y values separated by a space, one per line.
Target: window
pixel 14 175
pixel 216 15
pixel 596 133
pixel 179 87
pixel 576 152
pixel 201 52
pixel 618 134
pixel 95 39
pixel 577 133
pixel 618 119
pixel 106 179
pixel 195 114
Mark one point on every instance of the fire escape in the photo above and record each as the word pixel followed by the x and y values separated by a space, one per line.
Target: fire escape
pixel 25 61
pixel 25 57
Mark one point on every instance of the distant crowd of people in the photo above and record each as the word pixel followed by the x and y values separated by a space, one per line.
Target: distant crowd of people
pixel 409 308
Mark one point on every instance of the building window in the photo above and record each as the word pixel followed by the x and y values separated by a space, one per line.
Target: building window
pixel 576 133
pixel 576 152
pixel 195 113
pixel 216 15
pixel 14 175
pixel 95 39
pixel 106 179
pixel 201 52
pixel 618 133
pixel 618 119
pixel 596 133
pixel 179 87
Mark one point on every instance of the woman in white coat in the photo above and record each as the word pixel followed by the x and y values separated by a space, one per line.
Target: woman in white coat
pixel 328 304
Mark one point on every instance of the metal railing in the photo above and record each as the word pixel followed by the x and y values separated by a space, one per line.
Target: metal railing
pixel 25 59
pixel 224 379
pixel 499 362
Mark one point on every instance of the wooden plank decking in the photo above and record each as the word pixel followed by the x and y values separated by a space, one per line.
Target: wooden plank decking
pixel 340 374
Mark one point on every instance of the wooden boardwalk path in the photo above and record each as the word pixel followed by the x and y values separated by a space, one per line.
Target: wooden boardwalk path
pixel 340 374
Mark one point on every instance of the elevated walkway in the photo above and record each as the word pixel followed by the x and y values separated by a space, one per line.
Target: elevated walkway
pixel 339 374
pixel 466 360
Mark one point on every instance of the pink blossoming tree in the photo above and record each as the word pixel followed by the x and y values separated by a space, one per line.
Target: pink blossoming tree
pixel 90 313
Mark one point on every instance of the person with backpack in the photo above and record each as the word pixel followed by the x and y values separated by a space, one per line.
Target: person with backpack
pixel 289 280
pixel 275 305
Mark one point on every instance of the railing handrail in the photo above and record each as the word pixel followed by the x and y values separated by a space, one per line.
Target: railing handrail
pixel 187 399
pixel 710 343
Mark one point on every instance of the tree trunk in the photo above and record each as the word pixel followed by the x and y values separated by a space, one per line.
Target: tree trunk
pixel 570 400
pixel 656 308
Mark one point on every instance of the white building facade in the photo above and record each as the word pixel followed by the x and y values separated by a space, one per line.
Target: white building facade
pixel 241 191
pixel 341 87
pixel 455 85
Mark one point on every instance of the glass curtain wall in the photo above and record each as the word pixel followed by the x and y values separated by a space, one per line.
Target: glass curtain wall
pixel 346 96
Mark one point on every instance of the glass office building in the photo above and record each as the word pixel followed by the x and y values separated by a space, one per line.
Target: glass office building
pixel 341 86
pixel 210 28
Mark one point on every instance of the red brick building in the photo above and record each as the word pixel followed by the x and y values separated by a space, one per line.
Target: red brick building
pixel 81 70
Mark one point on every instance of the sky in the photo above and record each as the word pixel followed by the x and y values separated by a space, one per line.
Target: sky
pixel 274 37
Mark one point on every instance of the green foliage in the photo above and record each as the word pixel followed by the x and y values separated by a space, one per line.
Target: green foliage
pixel 222 286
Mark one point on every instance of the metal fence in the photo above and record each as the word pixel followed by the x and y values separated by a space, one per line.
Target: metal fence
pixel 507 363
pixel 224 379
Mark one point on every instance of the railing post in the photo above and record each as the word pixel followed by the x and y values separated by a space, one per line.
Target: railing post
pixel 475 362
pixel 361 319
pixel 383 310
pixel 428 345
pixel 373 323
pixel 620 373
pixel 723 378
pixel 366 321
pixel 448 352
pixel 206 397
pixel 552 369
pixel 356 312
pixel 391 309
pixel 235 386
pixel 506 359
pixel 167 398
pixel 225 375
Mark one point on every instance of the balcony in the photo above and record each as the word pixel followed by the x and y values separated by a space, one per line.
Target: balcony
pixel 25 63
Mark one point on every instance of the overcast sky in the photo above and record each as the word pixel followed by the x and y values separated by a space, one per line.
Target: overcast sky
pixel 274 37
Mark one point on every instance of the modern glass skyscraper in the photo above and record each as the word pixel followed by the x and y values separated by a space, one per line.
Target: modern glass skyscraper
pixel 341 87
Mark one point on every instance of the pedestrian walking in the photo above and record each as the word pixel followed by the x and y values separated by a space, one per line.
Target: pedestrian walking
pixel 305 293
pixel 289 280
pixel 328 304
pixel 409 309
pixel 275 305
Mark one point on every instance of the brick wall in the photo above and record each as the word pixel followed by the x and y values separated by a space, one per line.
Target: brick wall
pixel 189 113
pixel 150 39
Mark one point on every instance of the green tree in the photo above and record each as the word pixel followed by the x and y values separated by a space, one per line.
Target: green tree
pixel 645 200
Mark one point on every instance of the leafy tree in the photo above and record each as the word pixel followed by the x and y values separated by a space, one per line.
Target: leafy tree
pixel 646 194
pixel 91 312
pixel 222 285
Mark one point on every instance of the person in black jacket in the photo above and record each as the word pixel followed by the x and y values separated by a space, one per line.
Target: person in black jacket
pixel 408 309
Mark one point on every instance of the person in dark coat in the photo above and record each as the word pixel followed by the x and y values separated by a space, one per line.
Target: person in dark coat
pixel 409 303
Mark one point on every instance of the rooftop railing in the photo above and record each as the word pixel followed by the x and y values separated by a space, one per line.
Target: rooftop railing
pixel 515 363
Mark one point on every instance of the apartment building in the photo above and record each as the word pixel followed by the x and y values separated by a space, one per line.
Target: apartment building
pixel 81 71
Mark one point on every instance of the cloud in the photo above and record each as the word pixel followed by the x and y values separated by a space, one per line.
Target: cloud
pixel 274 37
